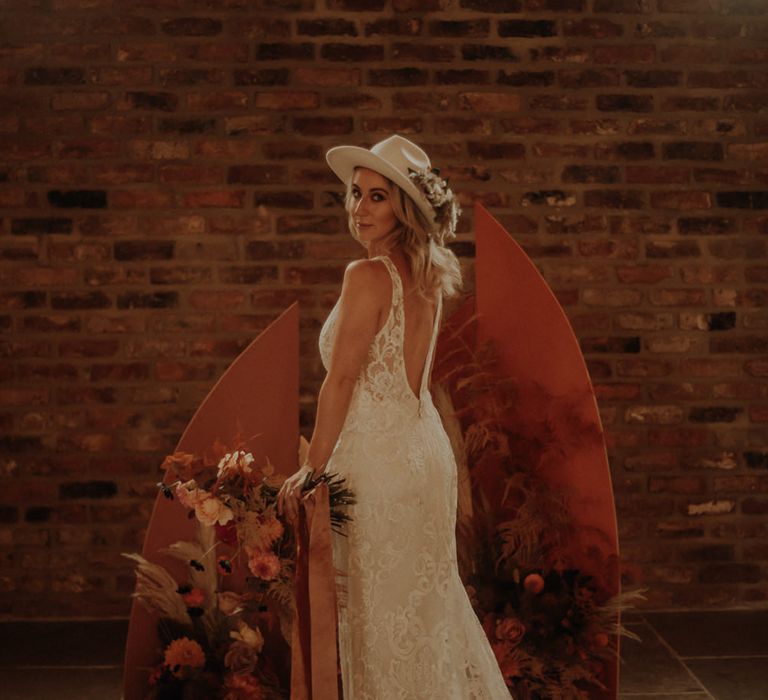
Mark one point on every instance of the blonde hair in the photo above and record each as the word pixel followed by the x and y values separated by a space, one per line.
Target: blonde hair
pixel 433 265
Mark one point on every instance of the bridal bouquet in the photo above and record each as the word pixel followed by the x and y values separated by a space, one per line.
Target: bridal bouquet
pixel 225 629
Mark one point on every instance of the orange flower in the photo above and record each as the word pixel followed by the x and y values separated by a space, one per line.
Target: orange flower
pixel 194 598
pixel 533 583
pixel 183 652
pixel 265 565
pixel 261 534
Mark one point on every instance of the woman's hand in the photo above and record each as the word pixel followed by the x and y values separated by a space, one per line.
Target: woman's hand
pixel 290 493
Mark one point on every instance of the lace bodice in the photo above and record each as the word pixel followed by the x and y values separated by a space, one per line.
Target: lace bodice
pixel 383 377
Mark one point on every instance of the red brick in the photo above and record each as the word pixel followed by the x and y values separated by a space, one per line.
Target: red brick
pixel 740 484
pixel 327 77
pixel 47 276
pixel 652 462
pixel 679 437
pixel 131 371
pixel 216 300
pixel 215 198
pixel 644 274
pixel 141 199
pixel 681 200
pixel 286 100
pixel 489 101
pixel 677 297
pixel 676 484
pixel 23 396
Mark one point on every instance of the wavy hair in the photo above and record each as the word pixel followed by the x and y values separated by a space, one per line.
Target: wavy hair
pixel 433 265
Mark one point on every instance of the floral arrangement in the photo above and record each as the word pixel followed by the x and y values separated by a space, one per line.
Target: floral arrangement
pixel 549 613
pixel 445 204
pixel 545 605
pixel 218 643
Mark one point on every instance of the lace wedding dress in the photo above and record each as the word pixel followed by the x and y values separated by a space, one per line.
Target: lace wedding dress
pixel 406 627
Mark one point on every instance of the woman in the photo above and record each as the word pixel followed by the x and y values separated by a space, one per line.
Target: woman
pixel 406 626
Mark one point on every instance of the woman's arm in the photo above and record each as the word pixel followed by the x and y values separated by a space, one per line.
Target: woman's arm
pixel 362 294
pixel 361 300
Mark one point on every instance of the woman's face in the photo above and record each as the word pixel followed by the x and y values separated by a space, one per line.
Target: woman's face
pixel 371 206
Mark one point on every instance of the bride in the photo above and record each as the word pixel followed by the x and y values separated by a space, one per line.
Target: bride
pixel 406 626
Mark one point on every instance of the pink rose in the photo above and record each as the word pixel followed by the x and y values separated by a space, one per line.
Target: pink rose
pixel 189 495
pixel 211 511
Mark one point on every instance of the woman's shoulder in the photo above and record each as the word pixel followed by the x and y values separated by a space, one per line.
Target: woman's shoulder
pixel 367 270
pixel 368 277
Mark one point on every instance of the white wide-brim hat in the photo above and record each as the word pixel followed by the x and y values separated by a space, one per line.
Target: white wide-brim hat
pixel 391 157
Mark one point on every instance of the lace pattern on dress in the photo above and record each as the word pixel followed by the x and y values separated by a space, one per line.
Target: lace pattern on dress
pixel 406 627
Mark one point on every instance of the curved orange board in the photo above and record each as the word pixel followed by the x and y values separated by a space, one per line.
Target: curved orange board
pixel 257 399
pixel 518 311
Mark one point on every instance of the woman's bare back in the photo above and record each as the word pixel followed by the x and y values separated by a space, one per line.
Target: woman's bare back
pixel 419 322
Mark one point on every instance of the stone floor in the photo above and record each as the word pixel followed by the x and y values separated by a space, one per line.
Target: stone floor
pixel 714 655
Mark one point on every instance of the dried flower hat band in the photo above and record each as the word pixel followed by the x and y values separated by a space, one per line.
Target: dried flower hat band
pixel 441 198
pixel 406 164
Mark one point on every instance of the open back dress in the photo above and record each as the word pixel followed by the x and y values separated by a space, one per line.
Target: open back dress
pixel 407 629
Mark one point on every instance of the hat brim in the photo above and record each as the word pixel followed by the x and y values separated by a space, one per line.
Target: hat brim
pixel 344 159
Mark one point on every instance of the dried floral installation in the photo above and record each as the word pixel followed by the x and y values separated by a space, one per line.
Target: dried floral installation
pixel 549 618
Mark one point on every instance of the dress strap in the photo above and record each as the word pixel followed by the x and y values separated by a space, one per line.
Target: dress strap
pixel 397 289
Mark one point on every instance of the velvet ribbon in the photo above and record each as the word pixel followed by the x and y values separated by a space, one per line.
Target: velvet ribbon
pixel 313 645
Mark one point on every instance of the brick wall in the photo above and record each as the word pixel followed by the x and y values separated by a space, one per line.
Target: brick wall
pixel 164 195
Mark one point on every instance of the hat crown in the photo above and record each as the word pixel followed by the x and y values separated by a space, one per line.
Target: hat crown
pixel 401 153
